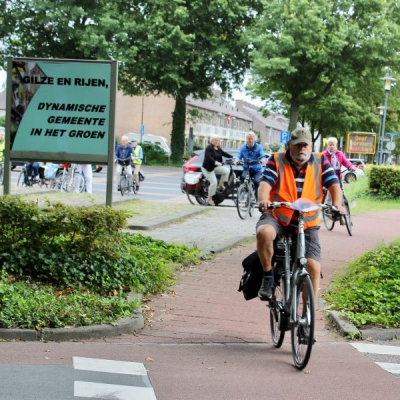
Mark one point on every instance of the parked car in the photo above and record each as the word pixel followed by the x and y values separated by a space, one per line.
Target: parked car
pixel 195 163
pixel 350 176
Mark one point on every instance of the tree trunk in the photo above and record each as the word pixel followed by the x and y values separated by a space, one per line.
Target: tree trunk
pixel 294 114
pixel 178 129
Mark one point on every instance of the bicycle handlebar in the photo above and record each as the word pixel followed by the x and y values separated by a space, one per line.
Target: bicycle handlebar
pixel 122 159
pixel 248 162
pixel 300 205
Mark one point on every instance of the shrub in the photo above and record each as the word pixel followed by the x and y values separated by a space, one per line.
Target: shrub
pixel 367 292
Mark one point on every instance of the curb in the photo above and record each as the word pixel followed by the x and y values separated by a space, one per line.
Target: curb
pixel 124 325
pixel 346 328
pixel 165 220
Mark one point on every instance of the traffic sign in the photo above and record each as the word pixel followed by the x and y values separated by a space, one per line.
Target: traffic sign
pixel 390 146
pixel 285 136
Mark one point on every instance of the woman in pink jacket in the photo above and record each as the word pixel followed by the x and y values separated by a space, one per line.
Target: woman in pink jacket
pixel 336 157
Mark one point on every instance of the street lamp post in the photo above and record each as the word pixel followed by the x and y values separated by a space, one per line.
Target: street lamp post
pixel 388 83
pixel 379 142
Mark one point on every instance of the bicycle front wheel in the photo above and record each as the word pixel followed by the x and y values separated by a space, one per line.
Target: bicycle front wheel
pixel 123 184
pixel 349 223
pixel 243 201
pixel 329 219
pixel 277 318
pixel 302 329
pixel 21 178
pixel 253 202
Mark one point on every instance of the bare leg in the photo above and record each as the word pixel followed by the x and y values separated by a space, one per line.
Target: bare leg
pixel 314 269
pixel 265 245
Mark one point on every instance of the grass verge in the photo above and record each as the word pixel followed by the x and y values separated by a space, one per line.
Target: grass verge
pixel 366 290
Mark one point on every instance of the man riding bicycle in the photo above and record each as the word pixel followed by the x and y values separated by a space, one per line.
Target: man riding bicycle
pixel 123 154
pixel 288 176
pixel 252 151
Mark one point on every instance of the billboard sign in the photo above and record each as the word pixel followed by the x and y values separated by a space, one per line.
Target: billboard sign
pixel 61 110
pixel 361 142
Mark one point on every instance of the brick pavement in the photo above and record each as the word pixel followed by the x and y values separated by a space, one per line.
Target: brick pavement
pixel 204 305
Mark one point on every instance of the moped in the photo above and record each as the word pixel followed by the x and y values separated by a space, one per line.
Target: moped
pixel 197 187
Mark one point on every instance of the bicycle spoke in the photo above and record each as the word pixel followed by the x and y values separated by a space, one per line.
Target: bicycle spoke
pixel 277 318
pixel 302 329
pixel 329 220
pixel 349 224
pixel 253 202
pixel 123 184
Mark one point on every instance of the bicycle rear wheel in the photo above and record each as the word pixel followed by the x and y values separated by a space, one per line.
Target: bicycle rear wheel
pixel 329 219
pixel 74 182
pixel 349 223
pixel 243 201
pixel 277 319
pixel 302 330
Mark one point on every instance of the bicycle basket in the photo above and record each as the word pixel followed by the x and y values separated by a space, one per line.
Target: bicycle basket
pixel 193 182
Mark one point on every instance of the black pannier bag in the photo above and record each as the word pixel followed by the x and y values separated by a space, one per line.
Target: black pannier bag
pixel 252 276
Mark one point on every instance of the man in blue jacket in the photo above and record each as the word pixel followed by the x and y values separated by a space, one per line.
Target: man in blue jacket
pixel 252 151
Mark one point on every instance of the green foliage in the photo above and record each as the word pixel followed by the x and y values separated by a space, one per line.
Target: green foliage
pixel 274 147
pixel 385 181
pixel 367 292
pixel 185 48
pixel 31 306
pixel 81 253
pixel 154 155
pixel 311 57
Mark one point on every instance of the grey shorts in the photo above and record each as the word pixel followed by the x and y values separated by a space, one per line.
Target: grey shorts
pixel 313 248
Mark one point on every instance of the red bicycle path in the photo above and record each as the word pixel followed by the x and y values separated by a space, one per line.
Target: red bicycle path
pixel 202 340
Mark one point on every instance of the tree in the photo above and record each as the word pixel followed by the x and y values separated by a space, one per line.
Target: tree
pixel 307 49
pixel 80 29
pixel 183 47
pixel 177 47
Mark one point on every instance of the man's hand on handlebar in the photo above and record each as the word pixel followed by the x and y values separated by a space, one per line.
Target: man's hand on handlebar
pixel 263 205
pixel 340 208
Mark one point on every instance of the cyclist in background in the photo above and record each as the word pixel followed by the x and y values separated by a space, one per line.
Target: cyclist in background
pixel 86 170
pixel 123 151
pixel 336 157
pixel 252 151
pixel 288 176
pixel 137 159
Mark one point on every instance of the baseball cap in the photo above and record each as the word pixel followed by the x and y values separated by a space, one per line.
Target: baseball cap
pixel 301 135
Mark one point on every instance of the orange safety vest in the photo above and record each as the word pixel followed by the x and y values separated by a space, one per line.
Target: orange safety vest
pixel 285 189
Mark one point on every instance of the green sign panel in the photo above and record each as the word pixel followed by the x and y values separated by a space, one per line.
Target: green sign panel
pixel 61 109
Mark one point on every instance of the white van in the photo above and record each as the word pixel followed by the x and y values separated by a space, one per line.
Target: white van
pixel 153 139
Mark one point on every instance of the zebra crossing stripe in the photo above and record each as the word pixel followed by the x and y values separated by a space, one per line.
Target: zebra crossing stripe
pixel 110 366
pixel 98 390
pixel 393 368
pixel 118 392
pixel 377 349
pixel 390 367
